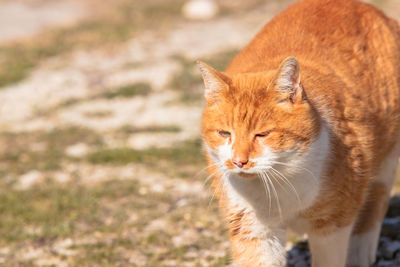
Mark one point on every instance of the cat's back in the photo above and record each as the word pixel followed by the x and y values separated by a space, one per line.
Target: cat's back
pixel 332 32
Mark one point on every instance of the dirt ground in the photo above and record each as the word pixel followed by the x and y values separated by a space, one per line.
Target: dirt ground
pixel 100 150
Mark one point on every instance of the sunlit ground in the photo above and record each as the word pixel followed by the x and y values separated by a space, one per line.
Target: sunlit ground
pixel 100 153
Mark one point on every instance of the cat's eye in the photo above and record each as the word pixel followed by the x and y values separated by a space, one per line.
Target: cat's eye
pixel 224 134
pixel 263 134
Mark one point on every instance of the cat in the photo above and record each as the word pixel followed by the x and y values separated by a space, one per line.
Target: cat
pixel 302 131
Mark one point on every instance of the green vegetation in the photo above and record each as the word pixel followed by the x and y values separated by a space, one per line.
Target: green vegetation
pixel 127 91
pixel 220 61
pixel 101 215
pixel 128 129
pixel 188 152
pixel 188 80
pixel 99 114
pixel 50 211
pixel 187 76
pixel 179 160
pixel 41 150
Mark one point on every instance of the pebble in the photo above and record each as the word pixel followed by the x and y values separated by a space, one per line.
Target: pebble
pixel 77 150
pixel 390 249
pixel 200 9
pixel 29 179
pixel 301 264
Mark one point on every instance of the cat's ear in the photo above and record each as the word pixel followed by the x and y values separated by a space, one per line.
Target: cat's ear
pixel 214 80
pixel 287 81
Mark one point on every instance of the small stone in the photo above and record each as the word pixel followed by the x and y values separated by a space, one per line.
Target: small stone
pixel 38 147
pixel 63 247
pixel 394 207
pixel 143 191
pixel 390 249
pixel 291 261
pixel 390 227
pixel 158 188
pixel 200 9
pixel 186 237
pixel 187 216
pixel 394 220
pixel 61 177
pixel 133 218
pixel 50 261
pixel 301 264
pixel 293 253
pixel 157 225
pixel 4 250
pixel 385 264
pixel 77 150
pixel 29 179
pixel 182 202
pixel 302 246
pixel 397 259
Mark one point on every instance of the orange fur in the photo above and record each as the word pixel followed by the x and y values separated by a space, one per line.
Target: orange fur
pixel 349 58
pixel 374 209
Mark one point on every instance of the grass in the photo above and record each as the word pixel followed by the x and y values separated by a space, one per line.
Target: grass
pixel 220 61
pixel 54 211
pixel 50 212
pixel 128 129
pixel 179 160
pixel 188 152
pixel 24 157
pixel 187 75
pixel 188 80
pixel 99 114
pixel 115 22
pixel 128 91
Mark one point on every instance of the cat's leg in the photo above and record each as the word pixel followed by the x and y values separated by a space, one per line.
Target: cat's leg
pixel 364 240
pixel 259 249
pixel 330 250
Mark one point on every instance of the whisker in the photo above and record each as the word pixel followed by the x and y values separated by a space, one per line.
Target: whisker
pixel 213 173
pixel 266 187
pixel 276 196
pixel 287 181
pixel 219 188
pixel 204 169
pixel 277 178
pixel 298 167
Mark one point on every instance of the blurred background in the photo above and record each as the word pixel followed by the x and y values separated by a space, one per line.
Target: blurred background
pixel 100 110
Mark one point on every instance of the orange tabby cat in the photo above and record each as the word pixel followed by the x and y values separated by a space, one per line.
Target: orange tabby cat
pixel 302 131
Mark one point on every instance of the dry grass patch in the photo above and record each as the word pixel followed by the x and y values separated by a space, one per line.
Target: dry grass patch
pixel 180 160
pixel 114 22
pixel 128 91
pixel 40 150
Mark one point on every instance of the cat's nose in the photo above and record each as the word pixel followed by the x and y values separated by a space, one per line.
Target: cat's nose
pixel 240 162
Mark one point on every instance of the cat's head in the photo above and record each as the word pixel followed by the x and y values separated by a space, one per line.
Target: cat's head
pixel 254 121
